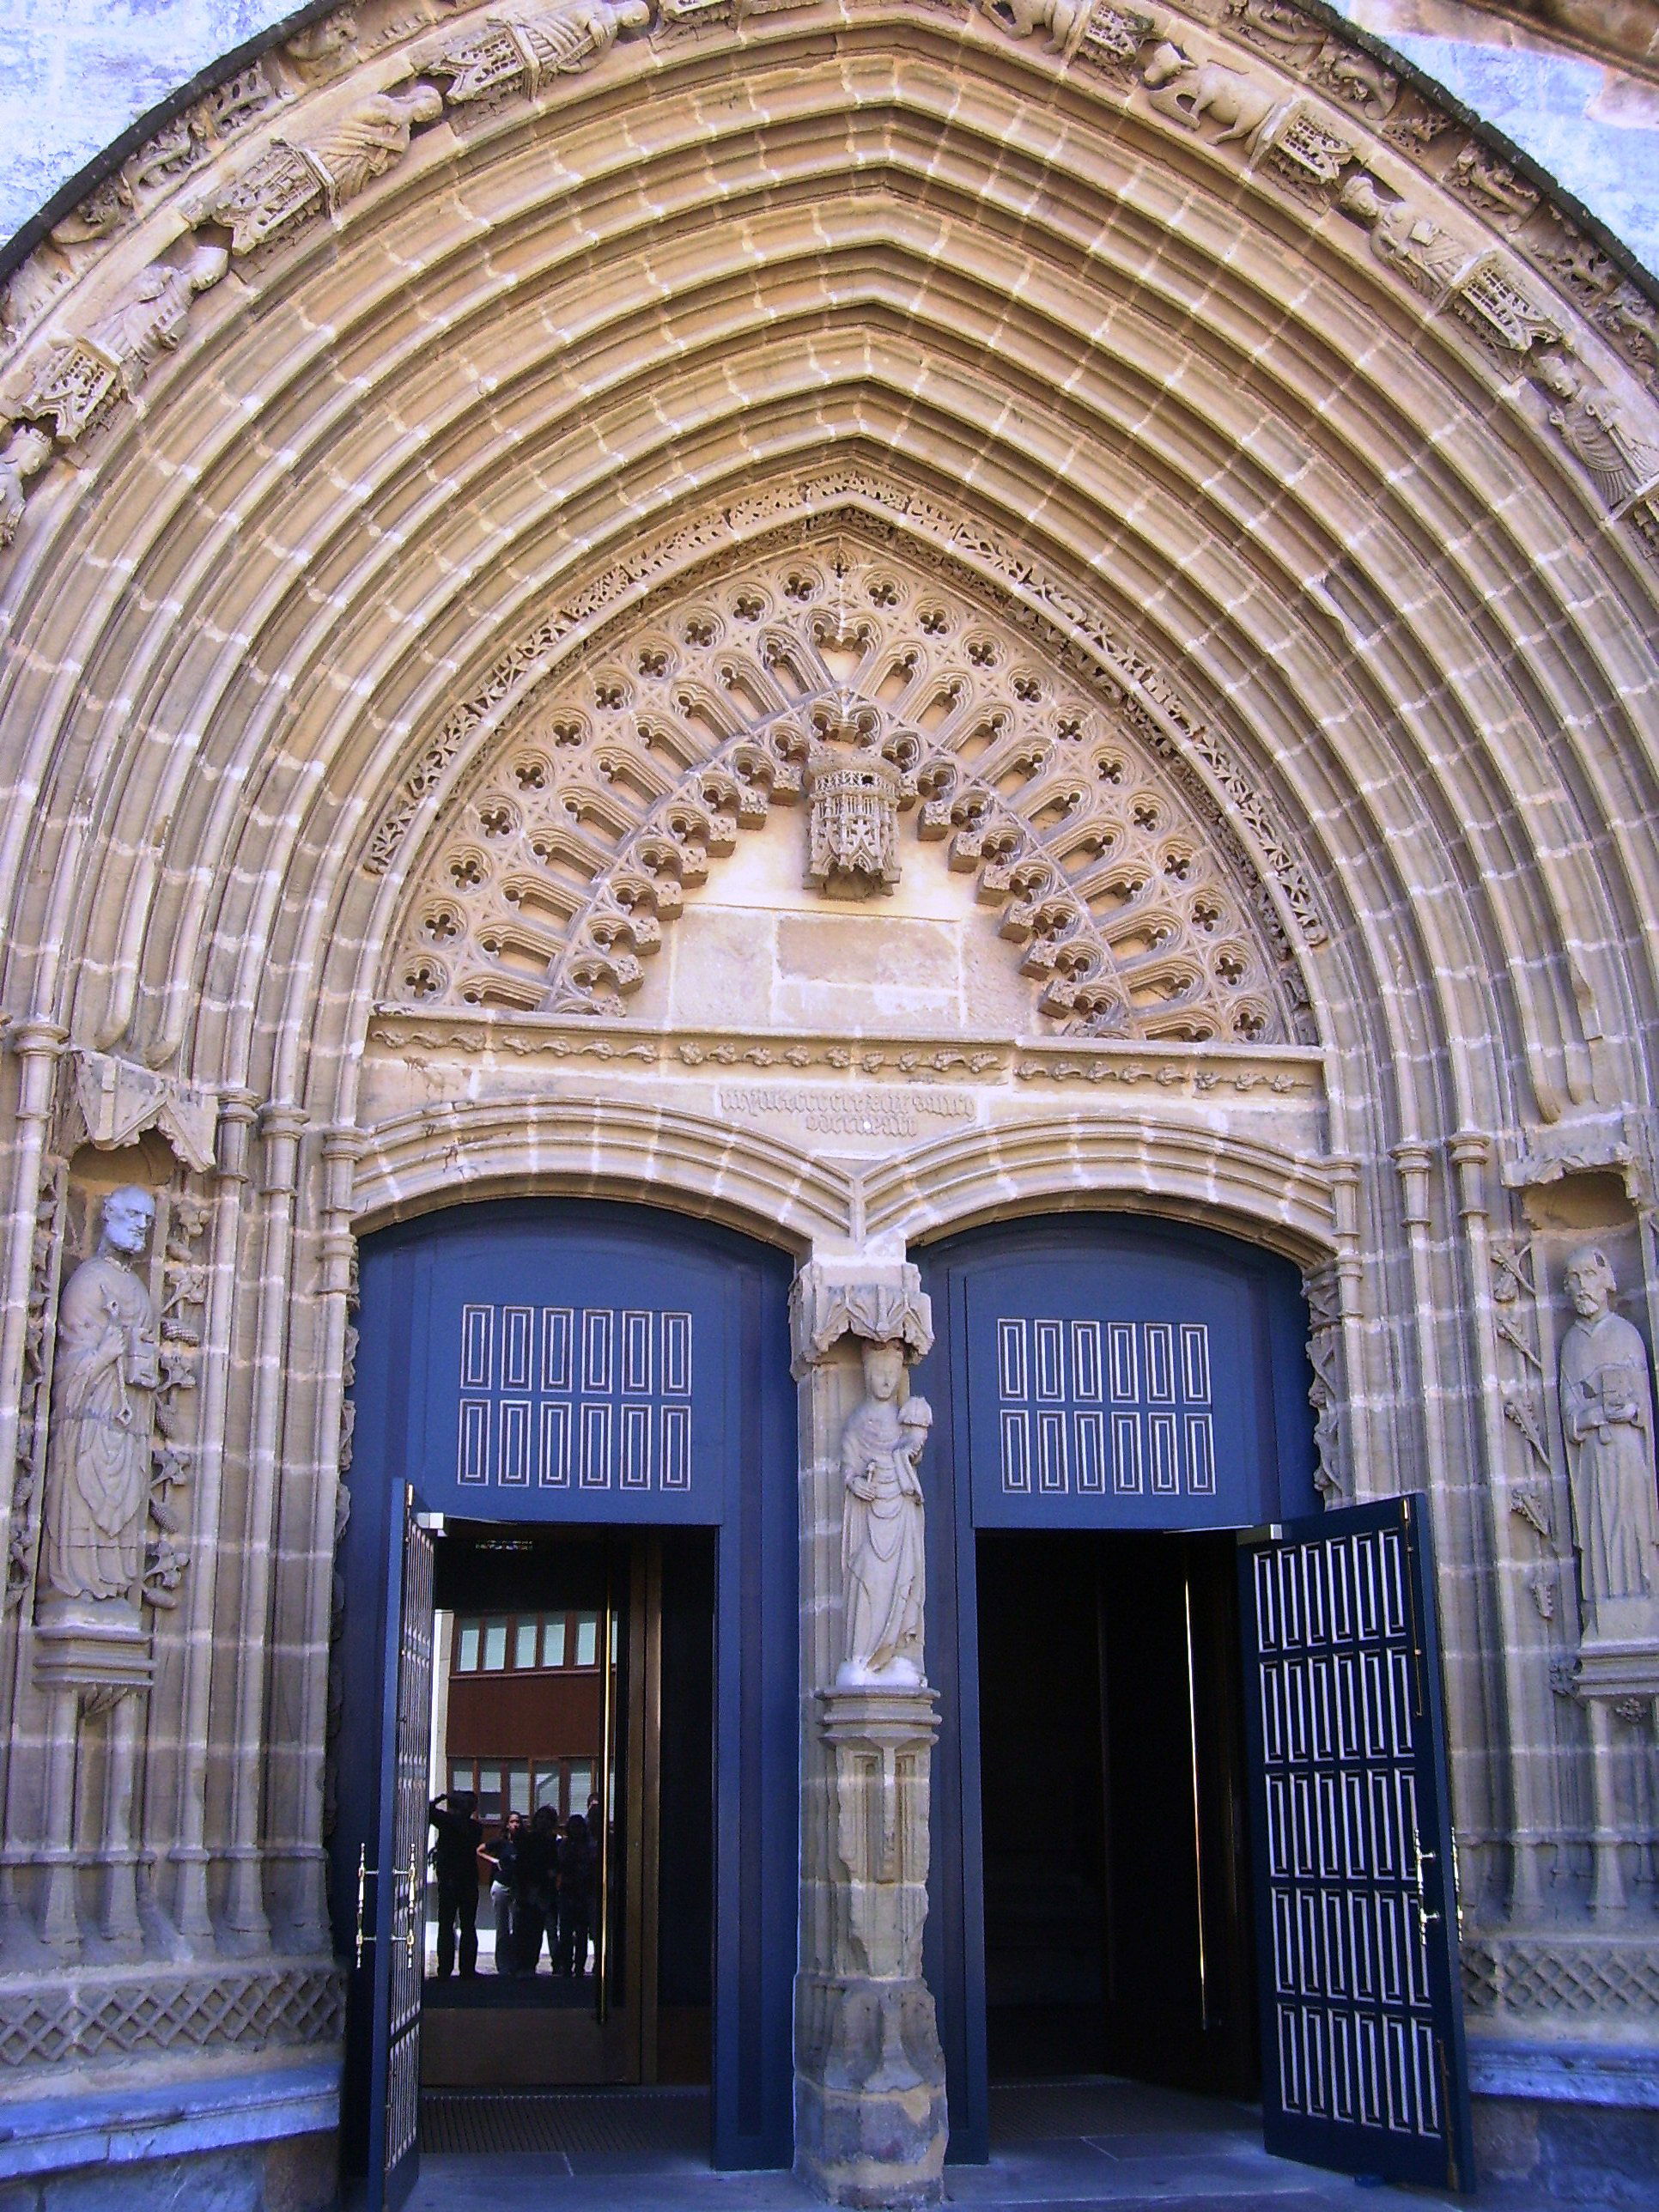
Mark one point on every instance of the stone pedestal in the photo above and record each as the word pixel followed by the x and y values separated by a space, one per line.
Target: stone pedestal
pixel 1618 1680
pixel 871 2124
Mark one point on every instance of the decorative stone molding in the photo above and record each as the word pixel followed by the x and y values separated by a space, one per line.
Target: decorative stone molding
pixel 614 1148
pixel 878 1304
pixel 45 1258
pixel 1624 1144
pixel 1133 914
pixel 1325 1394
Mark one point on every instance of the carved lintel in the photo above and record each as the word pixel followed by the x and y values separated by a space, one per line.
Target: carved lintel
pixel 880 1305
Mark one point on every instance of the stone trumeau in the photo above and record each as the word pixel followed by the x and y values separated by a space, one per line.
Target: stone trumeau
pixel 860 619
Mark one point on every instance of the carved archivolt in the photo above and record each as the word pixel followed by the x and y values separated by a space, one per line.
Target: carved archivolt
pixel 604 802
pixel 1270 88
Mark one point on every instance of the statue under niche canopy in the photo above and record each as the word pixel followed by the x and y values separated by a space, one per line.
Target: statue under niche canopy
pixel 1607 1413
pixel 883 1566
pixel 106 1371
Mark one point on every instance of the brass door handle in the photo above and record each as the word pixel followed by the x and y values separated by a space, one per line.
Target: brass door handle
pixel 362 1893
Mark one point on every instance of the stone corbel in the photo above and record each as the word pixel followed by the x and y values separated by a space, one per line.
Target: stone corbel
pixel 882 1304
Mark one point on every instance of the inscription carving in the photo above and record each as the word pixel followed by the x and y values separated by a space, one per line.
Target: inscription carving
pixel 848 1113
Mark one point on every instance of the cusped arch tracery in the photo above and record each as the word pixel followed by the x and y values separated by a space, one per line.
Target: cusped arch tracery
pixel 603 803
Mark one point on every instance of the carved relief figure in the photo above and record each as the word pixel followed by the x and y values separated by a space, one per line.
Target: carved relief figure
pixel 26 453
pixel 105 1377
pixel 372 137
pixel 1188 91
pixel 1607 1412
pixel 881 1545
pixel 1429 259
pixel 1596 430
pixel 521 43
pixel 1059 18
pixel 151 318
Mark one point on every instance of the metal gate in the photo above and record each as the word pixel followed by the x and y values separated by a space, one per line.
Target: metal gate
pixel 398 1965
pixel 1362 2058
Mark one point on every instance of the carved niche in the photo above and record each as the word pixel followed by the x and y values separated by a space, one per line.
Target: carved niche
pixel 845 671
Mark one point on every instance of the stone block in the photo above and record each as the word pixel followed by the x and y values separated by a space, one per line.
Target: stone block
pixel 217 2181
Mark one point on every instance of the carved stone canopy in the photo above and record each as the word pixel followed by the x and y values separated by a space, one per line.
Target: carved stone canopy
pixel 845 669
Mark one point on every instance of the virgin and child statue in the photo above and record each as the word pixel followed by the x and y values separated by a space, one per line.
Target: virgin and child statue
pixel 883 1567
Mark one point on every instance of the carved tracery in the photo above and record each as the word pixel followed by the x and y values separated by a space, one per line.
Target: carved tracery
pixel 605 800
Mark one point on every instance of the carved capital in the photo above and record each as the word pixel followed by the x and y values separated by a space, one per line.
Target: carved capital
pixel 881 1305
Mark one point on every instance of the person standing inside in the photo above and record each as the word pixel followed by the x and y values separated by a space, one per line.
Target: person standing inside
pixel 460 1833
pixel 534 1874
pixel 500 1859
pixel 575 1896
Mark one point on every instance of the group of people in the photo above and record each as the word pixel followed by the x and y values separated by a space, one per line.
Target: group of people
pixel 542 1872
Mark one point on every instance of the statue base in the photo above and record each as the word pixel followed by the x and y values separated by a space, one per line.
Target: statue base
pixel 88 1643
pixel 870 2111
pixel 1615 1667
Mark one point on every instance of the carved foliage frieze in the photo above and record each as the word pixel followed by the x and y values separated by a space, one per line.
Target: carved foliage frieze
pixel 603 804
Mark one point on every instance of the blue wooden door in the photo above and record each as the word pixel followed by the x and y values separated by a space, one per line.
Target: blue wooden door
pixel 1095 1373
pixel 1119 1382
pixel 1362 2060
pixel 396 1944
pixel 545 1361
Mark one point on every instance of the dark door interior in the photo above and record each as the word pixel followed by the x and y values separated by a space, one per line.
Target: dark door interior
pixel 577 1670
pixel 1116 1882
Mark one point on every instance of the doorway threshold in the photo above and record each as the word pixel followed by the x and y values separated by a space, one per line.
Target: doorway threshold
pixel 1058 2146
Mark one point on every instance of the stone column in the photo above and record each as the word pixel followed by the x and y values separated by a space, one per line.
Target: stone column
pixel 870 2109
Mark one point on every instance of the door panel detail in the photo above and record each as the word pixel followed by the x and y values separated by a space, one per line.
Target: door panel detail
pixel 1362 2031
pixel 563 1398
pixel 1115 1407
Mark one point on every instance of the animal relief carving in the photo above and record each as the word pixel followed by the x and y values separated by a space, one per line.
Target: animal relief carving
pixel 1191 92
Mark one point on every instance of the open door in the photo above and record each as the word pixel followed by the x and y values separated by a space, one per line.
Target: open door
pixel 397 1962
pixel 1362 2036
